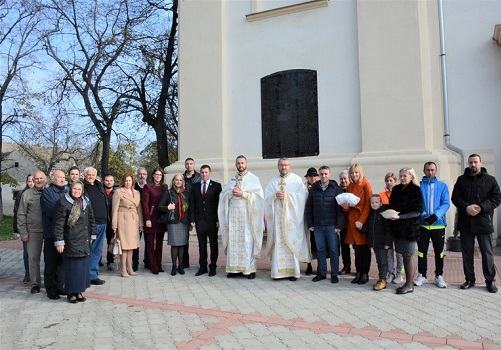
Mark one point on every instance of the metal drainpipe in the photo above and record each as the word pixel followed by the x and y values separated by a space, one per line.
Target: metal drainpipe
pixel 447 136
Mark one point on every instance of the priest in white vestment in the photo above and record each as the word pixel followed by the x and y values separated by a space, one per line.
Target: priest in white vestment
pixel 241 221
pixel 286 245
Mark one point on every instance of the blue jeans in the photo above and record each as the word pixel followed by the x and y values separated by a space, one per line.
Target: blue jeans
pixel 391 261
pixel 25 258
pixel 327 238
pixel 97 250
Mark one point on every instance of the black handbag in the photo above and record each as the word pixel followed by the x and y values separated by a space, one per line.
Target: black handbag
pixel 169 217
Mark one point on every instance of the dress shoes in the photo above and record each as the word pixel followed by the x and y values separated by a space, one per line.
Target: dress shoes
pixel 251 276
pixel 233 275
pixel 97 282
pixel 135 268
pixel 363 279
pixel 309 270
pixel 467 285
pixel 180 270
pixel 334 279
pixel 357 278
pixel 35 289
pixel 318 278
pixel 491 287
pixel 201 271
pixel 80 297
pixel 173 271
pixel 403 290
pixel 345 270
pixel 292 278
pixel 212 272
pixel 53 296
pixel 72 298
pixel 154 272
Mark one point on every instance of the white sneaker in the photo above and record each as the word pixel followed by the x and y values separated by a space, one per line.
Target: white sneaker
pixel 398 279
pixel 439 281
pixel 420 280
pixel 390 278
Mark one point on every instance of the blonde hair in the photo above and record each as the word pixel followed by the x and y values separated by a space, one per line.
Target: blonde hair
pixel 172 182
pixel 410 171
pixel 390 174
pixel 358 167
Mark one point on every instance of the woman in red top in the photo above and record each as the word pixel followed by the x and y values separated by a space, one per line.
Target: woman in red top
pixel 153 230
pixel 357 216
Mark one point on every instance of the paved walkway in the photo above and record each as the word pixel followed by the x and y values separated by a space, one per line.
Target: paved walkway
pixel 188 312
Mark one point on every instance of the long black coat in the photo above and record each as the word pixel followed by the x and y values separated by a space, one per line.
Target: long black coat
pixel 408 201
pixel 76 239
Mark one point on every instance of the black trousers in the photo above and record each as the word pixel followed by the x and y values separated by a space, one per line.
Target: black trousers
pixel 345 249
pixel 110 258
pixel 468 250
pixel 53 273
pixel 135 254
pixel 186 256
pixel 362 258
pixel 210 232
pixel 438 239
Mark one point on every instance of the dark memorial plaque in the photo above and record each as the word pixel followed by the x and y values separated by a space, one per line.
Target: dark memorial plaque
pixel 289 114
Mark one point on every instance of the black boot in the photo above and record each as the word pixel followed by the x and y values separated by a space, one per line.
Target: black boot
pixel 346 270
pixel 357 277
pixel 174 270
pixel 364 278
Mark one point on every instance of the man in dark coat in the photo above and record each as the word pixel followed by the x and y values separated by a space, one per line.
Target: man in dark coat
pixel 203 215
pixel 476 194
pixel 53 271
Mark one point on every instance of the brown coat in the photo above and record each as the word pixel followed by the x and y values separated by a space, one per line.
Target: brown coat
pixel 127 217
pixel 360 212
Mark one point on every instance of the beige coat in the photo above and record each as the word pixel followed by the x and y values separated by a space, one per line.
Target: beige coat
pixel 126 217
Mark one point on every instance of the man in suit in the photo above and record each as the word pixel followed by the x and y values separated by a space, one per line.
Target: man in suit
pixel 142 176
pixel 203 215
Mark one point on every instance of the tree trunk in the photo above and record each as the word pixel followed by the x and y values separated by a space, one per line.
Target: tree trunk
pixel 105 156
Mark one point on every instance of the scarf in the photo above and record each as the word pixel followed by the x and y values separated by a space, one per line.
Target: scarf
pixel 76 209
pixel 182 206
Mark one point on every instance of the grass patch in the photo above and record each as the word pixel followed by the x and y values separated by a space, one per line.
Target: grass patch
pixel 6 229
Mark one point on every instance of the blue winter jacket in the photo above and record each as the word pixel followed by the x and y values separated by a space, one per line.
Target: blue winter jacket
pixel 441 200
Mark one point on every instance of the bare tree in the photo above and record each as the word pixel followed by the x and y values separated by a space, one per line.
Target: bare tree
pixel 19 40
pixel 52 142
pixel 153 75
pixel 88 40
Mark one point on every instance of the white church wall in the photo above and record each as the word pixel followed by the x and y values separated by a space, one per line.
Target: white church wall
pixel 318 39
pixel 474 75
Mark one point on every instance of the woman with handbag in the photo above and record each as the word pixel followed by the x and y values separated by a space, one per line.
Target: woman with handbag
pixel 126 221
pixel 73 227
pixel 154 230
pixel 175 202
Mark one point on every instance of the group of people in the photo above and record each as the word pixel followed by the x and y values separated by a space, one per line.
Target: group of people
pixel 70 220
pixel 313 220
pixel 303 221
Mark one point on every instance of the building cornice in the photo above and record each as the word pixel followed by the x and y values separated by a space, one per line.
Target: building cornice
pixel 304 6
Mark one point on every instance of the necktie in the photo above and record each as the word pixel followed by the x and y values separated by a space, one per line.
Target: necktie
pixel 204 188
